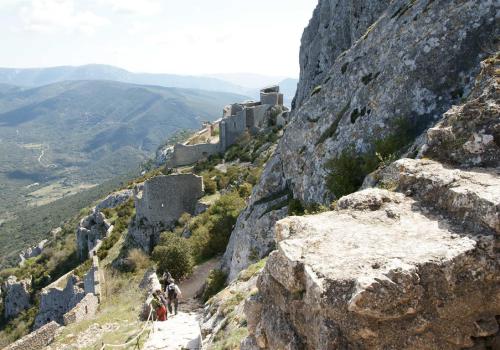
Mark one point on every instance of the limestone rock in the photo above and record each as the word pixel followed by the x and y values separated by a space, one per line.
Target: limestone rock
pixel 410 66
pixel 469 134
pixel 90 233
pixel 381 272
pixel 115 199
pixel 149 283
pixel 334 28
pixel 16 296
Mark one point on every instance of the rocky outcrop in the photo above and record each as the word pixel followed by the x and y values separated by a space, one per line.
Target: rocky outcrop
pixel 90 232
pixel 383 271
pixel 32 252
pixel 418 268
pixel 408 68
pixel 114 199
pixel 335 26
pixel 16 296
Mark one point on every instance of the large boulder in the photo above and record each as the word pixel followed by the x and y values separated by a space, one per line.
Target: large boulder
pixel 382 272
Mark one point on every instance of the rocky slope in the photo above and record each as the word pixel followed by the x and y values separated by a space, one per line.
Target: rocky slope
pixel 414 61
pixel 417 268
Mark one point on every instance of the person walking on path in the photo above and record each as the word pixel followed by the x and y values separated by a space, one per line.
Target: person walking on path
pixel 173 293
pixel 165 280
pixel 159 303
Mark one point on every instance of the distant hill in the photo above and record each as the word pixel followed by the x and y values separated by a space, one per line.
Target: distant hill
pixel 241 83
pixel 59 139
pixel 32 77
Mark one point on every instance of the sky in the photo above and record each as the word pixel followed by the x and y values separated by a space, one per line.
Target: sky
pixel 193 37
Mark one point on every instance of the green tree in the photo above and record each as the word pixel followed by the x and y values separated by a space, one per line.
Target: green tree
pixel 173 254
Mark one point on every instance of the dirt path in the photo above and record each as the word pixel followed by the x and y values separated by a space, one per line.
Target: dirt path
pixel 191 286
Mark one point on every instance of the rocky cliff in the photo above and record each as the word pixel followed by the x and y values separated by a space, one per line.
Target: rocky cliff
pixel 413 62
pixel 416 267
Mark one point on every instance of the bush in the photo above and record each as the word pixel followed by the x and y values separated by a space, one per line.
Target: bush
pixel 137 260
pixel 210 184
pixel 245 190
pixel 173 254
pixel 212 229
pixel 216 281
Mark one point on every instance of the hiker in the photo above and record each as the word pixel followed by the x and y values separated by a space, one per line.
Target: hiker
pixel 159 304
pixel 173 293
pixel 165 280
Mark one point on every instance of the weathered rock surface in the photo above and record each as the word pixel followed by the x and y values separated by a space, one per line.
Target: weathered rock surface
pixel 90 233
pixel 384 271
pixel 149 283
pixel 115 199
pixel 16 296
pixel 334 28
pixel 415 61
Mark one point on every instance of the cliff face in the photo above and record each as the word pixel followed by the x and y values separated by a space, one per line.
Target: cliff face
pixel 415 60
pixel 417 267
pixel 334 27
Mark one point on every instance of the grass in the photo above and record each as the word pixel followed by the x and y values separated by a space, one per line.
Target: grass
pixel 120 308
pixel 252 270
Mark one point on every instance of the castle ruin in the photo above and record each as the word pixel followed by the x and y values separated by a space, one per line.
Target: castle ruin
pixel 159 202
pixel 237 118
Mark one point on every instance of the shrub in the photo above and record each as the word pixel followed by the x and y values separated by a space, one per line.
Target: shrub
pixel 212 229
pixel 173 254
pixel 209 184
pixel 137 260
pixel 295 207
pixel 216 281
pixel 245 190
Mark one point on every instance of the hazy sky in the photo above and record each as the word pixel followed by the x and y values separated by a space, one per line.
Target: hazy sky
pixel 169 36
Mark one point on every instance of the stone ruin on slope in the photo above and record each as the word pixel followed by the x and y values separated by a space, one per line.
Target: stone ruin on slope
pixel 237 118
pixel 159 202
pixel 69 299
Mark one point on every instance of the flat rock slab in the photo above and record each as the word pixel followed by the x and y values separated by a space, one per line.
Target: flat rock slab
pixel 181 331
pixel 384 271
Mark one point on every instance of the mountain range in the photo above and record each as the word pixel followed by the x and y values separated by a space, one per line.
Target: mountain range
pixel 243 83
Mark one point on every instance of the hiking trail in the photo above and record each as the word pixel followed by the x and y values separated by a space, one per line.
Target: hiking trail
pixel 182 331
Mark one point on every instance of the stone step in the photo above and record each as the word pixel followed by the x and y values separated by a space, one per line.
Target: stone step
pixel 382 269
pixel 470 196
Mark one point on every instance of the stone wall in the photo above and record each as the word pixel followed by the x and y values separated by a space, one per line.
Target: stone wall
pixel 32 252
pixel 189 154
pixel 84 310
pixel 56 301
pixel 231 129
pixel 36 340
pixel 159 202
pixel 94 279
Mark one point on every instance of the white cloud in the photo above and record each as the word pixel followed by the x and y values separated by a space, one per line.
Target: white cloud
pixel 135 7
pixel 55 15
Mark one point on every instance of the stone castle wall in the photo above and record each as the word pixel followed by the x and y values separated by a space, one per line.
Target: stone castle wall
pixel 164 199
pixel 159 202
pixel 189 154
pixel 231 128
pixel 84 310
pixel 16 296
pixel 36 340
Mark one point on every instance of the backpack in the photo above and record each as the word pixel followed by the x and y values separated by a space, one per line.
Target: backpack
pixel 172 294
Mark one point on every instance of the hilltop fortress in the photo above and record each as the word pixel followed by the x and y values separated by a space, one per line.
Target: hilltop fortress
pixel 237 118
